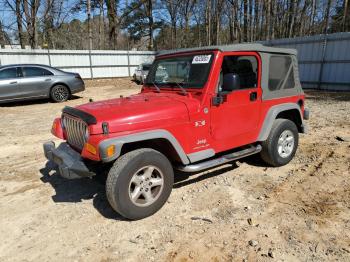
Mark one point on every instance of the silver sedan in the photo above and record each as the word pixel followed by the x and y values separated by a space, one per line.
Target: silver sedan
pixel 30 81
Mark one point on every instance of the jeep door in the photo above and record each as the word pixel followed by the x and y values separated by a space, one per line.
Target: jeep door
pixel 36 81
pixel 9 87
pixel 234 121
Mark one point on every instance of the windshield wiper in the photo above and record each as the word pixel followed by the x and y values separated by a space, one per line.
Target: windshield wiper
pixel 157 87
pixel 181 87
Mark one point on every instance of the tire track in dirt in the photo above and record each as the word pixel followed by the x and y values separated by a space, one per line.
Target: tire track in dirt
pixel 311 203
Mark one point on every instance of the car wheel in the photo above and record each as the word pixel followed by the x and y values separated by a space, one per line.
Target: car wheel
pixel 281 145
pixel 59 93
pixel 139 183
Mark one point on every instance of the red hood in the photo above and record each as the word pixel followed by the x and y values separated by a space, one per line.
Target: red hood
pixel 141 111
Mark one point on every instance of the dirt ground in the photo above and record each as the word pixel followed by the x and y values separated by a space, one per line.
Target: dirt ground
pixel 240 212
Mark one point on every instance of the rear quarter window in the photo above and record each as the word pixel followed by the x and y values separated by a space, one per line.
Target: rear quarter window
pixel 281 75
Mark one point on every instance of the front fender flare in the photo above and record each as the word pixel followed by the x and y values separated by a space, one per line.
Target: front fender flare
pixel 118 142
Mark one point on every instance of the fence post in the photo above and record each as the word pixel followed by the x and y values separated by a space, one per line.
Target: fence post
pixel 128 63
pixel 90 62
pixel 48 55
pixel 322 62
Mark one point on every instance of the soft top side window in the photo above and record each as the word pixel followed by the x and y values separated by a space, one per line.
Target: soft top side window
pixel 281 75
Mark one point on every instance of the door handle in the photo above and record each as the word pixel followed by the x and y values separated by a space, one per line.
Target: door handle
pixel 13 82
pixel 253 96
pixel 48 79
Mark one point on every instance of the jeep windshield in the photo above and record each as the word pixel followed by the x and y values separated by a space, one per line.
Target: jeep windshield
pixel 187 71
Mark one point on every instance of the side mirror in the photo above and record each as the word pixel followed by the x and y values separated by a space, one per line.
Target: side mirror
pixel 231 82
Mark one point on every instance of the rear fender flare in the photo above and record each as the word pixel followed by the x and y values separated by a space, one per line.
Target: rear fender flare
pixel 271 116
pixel 118 142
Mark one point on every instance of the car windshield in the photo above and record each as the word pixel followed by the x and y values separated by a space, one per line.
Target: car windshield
pixel 189 71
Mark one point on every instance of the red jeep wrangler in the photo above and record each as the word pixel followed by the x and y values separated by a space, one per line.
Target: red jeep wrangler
pixel 199 108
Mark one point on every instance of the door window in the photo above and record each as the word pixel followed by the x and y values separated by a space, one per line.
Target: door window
pixel 8 73
pixel 35 71
pixel 246 67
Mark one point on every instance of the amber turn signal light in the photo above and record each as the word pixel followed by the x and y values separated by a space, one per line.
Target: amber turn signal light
pixel 110 150
pixel 90 148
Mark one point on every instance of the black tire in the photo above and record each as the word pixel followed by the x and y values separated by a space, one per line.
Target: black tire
pixel 59 93
pixel 124 169
pixel 270 148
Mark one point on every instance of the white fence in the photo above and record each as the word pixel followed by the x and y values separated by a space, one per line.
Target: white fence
pixel 324 60
pixel 94 64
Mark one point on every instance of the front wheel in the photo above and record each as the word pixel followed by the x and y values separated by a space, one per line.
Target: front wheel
pixel 281 145
pixel 139 183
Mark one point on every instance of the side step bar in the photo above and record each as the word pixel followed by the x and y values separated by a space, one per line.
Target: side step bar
pixel 220 160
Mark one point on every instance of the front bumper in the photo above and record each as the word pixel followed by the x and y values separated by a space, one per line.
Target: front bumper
pixel 70 163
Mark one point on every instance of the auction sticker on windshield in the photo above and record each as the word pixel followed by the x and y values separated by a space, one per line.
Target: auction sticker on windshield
pixel 201 59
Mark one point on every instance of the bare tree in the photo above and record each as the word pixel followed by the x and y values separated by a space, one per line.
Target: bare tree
pixel 193 22
pixel 172 7
pixel 149 13
pixel 345 15
pixel 112 23
pixel 101 26
pixel 17 10
pixel 30 11
pixel 4 38
pixel 245 20
pixel 326 16
pixel 208 21
pixel 88 3
pixel 186 7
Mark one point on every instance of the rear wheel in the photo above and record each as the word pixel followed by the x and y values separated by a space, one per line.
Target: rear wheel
pixel 59 93
pixel 281 145
pixel 139 183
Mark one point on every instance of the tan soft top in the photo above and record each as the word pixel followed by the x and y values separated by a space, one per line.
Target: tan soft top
pixel 230 48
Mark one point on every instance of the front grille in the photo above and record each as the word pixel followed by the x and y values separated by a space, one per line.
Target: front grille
pixel 75 131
